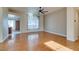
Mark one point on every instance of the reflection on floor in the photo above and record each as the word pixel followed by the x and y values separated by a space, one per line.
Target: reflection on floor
pixel 36 42
pixel 33 41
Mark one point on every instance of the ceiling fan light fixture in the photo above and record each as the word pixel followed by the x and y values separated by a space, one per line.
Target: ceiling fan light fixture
pixel 41 10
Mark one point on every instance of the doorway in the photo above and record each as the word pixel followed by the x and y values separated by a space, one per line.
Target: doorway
pixel 13 24
pixel 17 27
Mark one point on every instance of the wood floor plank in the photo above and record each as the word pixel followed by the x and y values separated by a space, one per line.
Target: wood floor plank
pixel 36 42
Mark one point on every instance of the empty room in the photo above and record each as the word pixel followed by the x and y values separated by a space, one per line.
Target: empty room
pixel 39 29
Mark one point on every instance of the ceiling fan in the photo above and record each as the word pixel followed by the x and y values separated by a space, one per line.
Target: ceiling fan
pixel 41 10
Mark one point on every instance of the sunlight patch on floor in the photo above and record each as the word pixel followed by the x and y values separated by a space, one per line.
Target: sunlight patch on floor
pixel 56 46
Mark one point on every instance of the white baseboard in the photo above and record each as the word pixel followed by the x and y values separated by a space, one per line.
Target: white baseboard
pixel 55 33
pixel 72 38
pixel 32 31
pixel 1 41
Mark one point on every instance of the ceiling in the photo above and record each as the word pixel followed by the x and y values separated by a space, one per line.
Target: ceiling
pixel 19 9
pixel 52 9
pixel 31 9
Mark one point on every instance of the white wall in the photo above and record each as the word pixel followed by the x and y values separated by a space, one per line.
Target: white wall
pixel 23 23
pixel 72 22
pixel 1 36
pixel 41 23
pixel 56 22
pixel 3 24
pixel 78 23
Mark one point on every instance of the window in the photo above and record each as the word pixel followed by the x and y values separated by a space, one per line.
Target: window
pixel 11 23
pixel 33 21
pixel 12 16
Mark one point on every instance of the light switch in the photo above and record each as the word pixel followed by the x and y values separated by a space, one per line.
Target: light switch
pixel 74 20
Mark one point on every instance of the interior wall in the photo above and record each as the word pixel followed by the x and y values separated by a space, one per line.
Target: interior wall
pixel 23 23
pixel 55 22
pixel 78 23
pixel 1 29
pixel 3 24
pixel 72 24
pixel 41 22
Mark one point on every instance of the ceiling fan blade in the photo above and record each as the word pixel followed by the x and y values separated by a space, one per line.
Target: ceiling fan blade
pixel 41 10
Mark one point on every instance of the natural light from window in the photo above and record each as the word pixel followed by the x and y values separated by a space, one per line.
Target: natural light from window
pixel 33 21
pixel 11 15
pixel 11 20
pixel 56 46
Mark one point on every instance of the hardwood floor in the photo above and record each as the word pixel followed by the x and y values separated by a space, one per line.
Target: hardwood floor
pixel 36 42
